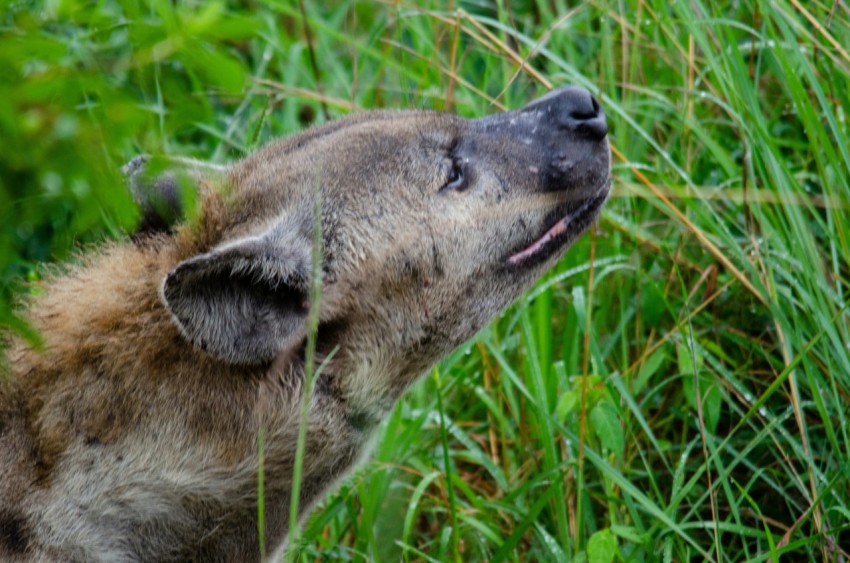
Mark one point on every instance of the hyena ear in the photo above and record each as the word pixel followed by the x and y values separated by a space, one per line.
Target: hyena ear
pixel 166 189
pixel 243 303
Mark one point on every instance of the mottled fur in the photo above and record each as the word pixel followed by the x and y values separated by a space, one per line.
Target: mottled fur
pixel 133 435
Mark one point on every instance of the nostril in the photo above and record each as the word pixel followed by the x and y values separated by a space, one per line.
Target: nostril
pixel 580 115
pixel 580 112
pixel 572 109
pixel 574 101
pixel 580 105
pixel 594 124
pixel 575 109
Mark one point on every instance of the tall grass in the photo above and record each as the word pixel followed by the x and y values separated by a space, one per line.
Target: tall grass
pixel 677 389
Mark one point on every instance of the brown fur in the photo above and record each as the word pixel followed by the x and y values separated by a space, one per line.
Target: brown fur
pixel 133 435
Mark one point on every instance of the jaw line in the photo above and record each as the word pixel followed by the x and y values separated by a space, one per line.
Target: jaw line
pixel 596 200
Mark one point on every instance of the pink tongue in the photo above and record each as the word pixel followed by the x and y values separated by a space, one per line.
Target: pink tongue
pixel 557 229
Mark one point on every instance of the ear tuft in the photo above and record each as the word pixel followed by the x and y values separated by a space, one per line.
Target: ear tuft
pixel 244 303
pixel 158 194
pixel 166 189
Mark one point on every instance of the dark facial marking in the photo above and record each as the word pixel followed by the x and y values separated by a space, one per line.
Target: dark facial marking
pixel 14 533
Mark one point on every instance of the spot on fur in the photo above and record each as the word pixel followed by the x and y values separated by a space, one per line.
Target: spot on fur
pixel 14 533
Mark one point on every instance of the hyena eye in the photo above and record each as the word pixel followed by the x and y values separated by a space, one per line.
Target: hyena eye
pixel 456 179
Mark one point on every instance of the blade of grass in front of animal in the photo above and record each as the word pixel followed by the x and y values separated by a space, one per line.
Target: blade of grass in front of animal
pixel 310 373
pixel 448 465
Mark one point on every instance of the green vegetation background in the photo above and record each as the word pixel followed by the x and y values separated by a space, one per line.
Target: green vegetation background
pixel 676 390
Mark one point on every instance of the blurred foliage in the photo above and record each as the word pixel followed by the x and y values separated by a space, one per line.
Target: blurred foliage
pixel 85 87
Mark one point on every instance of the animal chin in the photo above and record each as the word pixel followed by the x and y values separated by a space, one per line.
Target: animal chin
pixel 562 232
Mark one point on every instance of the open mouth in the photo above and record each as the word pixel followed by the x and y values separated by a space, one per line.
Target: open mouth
pixel 564 231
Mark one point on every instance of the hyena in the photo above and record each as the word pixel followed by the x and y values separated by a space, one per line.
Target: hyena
pixel 132 434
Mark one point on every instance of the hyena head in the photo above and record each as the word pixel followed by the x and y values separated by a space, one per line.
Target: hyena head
pixel 430 225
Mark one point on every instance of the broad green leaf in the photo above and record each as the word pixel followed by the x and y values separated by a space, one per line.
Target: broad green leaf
pixel 602 547
pixel 567 402
pixel 606 425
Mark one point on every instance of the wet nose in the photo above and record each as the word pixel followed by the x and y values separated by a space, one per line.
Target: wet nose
pixel 574 109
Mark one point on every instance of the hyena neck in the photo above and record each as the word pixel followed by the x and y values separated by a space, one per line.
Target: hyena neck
pixel 373 365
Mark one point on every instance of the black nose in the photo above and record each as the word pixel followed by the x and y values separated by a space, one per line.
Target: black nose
pixel 574 109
